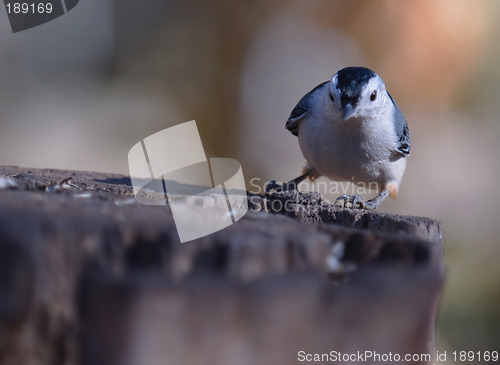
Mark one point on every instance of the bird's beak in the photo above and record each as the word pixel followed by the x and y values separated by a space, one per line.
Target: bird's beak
pixel 348 111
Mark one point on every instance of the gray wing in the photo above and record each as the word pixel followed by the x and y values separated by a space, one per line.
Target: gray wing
pixel 402 131
pixel 300 111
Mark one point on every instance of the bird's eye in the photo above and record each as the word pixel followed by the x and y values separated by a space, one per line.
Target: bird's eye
pixel 331 97
pixel 373 96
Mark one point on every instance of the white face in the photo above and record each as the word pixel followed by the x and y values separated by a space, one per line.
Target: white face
pixel 371 102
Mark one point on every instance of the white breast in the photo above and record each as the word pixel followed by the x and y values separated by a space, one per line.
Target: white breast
pixel 354 150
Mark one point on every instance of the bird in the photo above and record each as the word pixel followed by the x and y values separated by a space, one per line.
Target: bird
pixel 350 129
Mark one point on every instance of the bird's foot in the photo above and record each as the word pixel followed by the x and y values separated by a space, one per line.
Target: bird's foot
pixel 353 202
pixel 280 187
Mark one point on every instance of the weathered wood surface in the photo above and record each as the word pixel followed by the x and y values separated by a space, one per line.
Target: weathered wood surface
pixel 88 276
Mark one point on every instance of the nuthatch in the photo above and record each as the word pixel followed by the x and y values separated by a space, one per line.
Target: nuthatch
pixel 351 129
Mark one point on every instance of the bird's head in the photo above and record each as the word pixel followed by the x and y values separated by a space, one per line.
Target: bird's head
pixel 357 92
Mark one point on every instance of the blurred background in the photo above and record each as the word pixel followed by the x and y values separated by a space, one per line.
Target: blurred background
pixel 78 92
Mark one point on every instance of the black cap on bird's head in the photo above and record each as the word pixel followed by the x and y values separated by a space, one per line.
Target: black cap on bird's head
pixel 350 83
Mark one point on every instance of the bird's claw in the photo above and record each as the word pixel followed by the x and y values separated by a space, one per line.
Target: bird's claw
pixel 273 185
pixel 350 201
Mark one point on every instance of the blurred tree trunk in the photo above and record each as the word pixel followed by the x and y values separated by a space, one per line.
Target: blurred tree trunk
pixel 88 276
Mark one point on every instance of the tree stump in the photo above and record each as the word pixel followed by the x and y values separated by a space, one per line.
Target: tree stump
pixel 89 276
